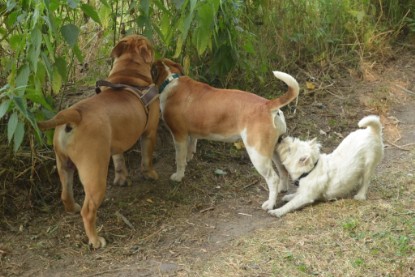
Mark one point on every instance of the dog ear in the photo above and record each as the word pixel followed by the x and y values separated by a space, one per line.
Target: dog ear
pixel 303 160
pixel 118 49
pixel 146 52
pixel 180 68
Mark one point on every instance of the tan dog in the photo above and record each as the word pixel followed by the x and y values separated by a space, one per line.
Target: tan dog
pixel 105 125
pixel 194 110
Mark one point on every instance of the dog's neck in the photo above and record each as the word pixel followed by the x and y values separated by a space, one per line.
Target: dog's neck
pixel 305 174
pixel 135 74
pixel 167 81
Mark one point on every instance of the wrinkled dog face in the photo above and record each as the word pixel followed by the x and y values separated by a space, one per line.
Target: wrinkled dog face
pixel 298 156
pixel 134 47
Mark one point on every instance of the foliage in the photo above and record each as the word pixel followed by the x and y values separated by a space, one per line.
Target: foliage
pixel 218 41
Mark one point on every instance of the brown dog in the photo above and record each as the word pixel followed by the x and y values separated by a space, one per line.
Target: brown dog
pixel 194 110
pixel 105 125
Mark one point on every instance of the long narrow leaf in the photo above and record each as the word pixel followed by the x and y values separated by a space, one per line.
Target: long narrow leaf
pixel 22 79
pixel 91 12
pixel 11 126
pixel 4 106
pixel 18 136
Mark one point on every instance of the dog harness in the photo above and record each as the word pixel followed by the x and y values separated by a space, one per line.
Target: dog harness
pixel 297 182
pixel 146 94
pixel 167 81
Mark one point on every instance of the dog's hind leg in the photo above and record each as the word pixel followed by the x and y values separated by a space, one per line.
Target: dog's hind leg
pixel 121 172
pixel 147 142
pixel 282 172
pixel 181 154
pixel 191 148
pixel 66 171
pixel 93 175
pixel 361 194
pixel 264 167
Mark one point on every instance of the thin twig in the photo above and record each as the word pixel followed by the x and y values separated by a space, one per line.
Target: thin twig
pixel 207 209
pixel 126 221
pixel 405 90
pixel 397 146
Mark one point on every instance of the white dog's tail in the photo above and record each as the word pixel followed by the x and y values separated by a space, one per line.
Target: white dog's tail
pixel 290 95
pixel 373 122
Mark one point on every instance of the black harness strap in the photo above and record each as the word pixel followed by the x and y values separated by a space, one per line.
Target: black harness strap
pixel 146 94
pixel 297 182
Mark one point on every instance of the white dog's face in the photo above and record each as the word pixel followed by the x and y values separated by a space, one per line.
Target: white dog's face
pixel 298 156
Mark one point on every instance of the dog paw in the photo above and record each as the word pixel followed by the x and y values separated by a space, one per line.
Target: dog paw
pixel 76 208
pixel 120 180
pixel 268 205
pixel 359 197
pixel 276 212
pixel 176 177
pixel 99 242
pixel 151 174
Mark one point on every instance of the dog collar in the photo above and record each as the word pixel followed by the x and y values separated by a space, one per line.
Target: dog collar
pixel 167 81
pixel 297 182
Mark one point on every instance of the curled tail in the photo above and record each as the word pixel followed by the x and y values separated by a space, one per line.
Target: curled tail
pixel 290 95
pixel 373 122
pixel 63 117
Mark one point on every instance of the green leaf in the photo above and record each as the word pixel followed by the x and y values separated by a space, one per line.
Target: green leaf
pixel 39 99
pixel 34 51
pixel 70 33
pixel 60 65
pixel 78 54
pixel 22 79
pixel 20 103
pixel 105 3
pixel 11 126
pixel 18 136
pixel 4 107
pixel 16 42
pixel 91 12
pixel 56 81
pixel 145 6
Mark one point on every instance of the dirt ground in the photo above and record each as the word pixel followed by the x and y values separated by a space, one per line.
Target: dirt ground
pixel 164 228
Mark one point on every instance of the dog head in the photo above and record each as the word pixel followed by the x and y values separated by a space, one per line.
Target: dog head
pixel 134 47
pixel 298 156
pixel 132 56
pixel 163 68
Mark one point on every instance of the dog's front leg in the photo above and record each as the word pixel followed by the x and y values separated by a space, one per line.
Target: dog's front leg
pixel 299 200
pixel 181 153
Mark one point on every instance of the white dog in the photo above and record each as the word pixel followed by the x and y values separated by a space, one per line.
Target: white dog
pixel 327 177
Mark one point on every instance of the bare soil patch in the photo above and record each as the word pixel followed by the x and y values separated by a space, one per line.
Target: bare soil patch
pixel 212 225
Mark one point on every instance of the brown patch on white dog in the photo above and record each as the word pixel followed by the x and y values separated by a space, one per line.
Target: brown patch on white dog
pixel 193 110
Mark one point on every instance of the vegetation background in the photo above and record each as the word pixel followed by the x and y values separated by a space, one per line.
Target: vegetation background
pixel 51 50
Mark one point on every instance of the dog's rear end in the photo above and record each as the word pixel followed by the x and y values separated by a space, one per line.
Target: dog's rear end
pixel 105 125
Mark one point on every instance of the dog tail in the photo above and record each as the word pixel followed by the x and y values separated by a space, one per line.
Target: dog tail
pixel 290 95
pixel 373 122
pixel 63 117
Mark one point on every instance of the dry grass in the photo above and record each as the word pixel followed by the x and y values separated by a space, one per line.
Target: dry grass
pixel 342 238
